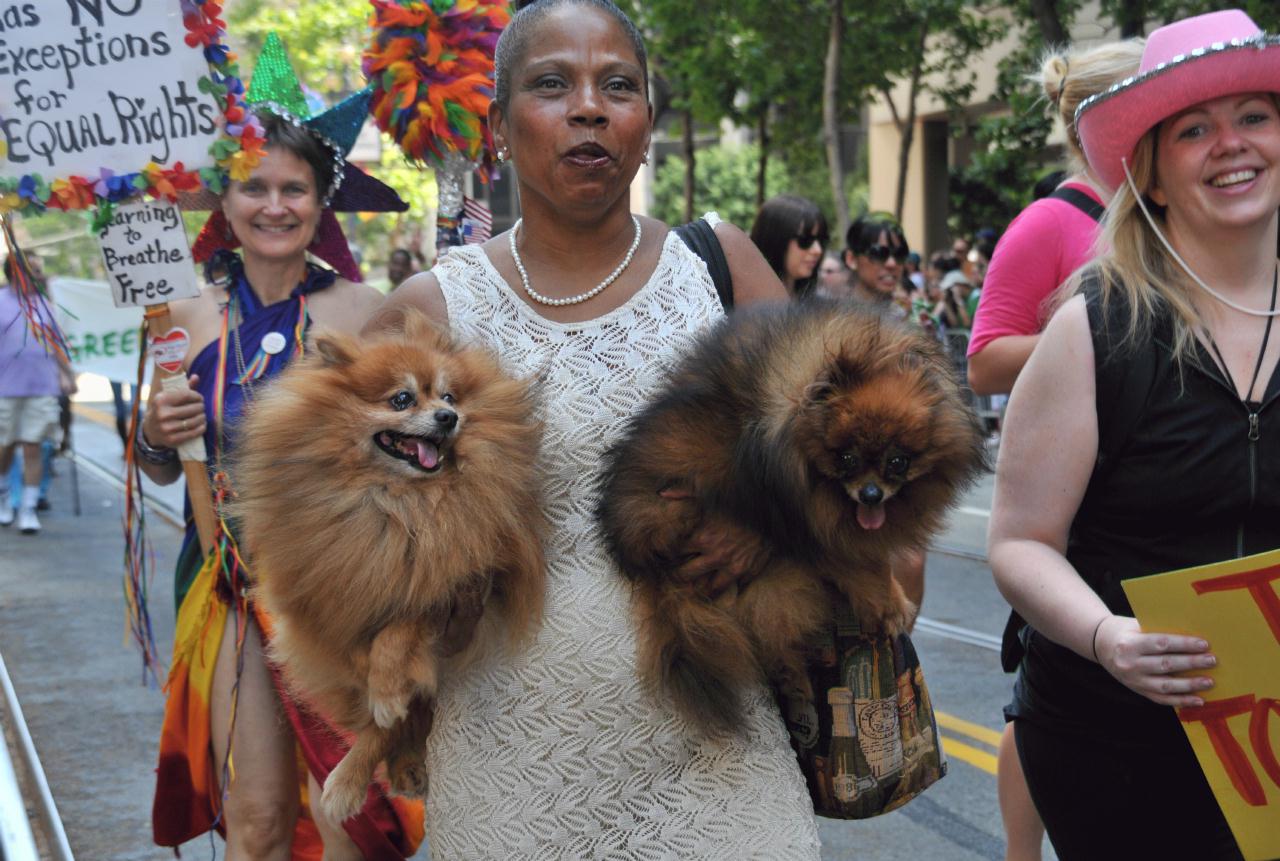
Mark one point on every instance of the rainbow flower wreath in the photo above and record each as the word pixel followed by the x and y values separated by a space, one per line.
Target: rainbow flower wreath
pixel 430 64
pixel 236 153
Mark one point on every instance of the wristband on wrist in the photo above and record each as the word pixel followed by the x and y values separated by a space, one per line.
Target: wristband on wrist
pixel 155 456
pixel 1096 629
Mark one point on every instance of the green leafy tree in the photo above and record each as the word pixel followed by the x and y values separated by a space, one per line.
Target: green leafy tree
pixel 726 181
pixel 727 184
pixel 932 53
pixel 689 53
pixel 1007 161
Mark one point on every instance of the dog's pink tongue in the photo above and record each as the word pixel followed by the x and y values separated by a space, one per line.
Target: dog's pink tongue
pixel 870 516
pixel 428 454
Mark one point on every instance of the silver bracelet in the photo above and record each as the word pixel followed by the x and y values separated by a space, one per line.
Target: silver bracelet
pixel 154 456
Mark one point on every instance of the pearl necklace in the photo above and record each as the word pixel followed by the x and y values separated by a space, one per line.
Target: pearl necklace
pixel 581 297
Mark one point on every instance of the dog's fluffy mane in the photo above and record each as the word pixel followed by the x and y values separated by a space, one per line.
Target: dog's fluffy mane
pixel 763 374
pixel 340 542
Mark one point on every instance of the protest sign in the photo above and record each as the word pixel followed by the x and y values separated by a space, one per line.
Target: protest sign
pixel 148 259
pixel 101 338
pixel 93 84
pixel 1236 733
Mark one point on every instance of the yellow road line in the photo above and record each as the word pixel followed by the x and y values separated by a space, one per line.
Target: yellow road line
pixel 972 755
pixel 94 415
pixel 972 730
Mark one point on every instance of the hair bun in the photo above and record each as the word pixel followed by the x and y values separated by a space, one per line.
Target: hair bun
pixel 1053 73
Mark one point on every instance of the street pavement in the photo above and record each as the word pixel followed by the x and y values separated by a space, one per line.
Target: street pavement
pixel 95 725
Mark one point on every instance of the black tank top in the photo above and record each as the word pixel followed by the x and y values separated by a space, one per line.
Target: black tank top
pixel 1186 484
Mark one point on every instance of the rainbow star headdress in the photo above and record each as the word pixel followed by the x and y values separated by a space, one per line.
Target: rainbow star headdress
pixel 275 89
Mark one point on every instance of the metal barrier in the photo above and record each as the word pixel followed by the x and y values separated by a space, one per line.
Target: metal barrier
pixel 12 808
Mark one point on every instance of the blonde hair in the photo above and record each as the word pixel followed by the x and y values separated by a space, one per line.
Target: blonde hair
pixel 1069 79
pixel 1134 264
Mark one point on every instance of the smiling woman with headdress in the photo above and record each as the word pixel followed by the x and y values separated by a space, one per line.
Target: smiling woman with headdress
pixel 1141 437
pixel 229 751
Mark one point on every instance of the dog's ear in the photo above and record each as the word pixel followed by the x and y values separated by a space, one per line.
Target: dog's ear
pixel 840 370
pixel 335 348
pixel 419 329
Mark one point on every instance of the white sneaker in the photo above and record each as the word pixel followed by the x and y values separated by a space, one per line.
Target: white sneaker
pixel 27 520
pixel 7 512
pixel 28 523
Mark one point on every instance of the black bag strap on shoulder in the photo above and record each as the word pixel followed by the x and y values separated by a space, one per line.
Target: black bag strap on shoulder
pixel 1080 201
pixel 1124 376
pixel 702 240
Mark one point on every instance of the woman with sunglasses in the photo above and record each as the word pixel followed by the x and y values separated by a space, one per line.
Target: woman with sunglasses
pixel 875 251
pixel 791 233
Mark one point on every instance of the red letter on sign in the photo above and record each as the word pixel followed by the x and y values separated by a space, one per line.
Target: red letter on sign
pixel 1259 585
pixel 1261 740
pixel 1232 756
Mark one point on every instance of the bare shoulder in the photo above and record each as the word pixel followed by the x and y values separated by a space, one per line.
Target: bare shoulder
pixel 197 309
pixel 344 306
pixel 1055 391
pixel 421 293
pixel 753 279
pixel 1068 332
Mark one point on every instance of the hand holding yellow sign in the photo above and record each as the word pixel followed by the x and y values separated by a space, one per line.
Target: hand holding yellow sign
pixel 1236 733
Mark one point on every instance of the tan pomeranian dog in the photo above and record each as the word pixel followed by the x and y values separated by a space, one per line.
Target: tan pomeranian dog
pixel 830 438
pixel 378 483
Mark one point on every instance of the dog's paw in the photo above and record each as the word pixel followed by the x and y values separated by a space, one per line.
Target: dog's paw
pixel 389 709
pixel 407 774
pixel 343 794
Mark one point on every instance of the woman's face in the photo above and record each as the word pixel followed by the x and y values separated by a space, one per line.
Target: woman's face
pixel 879 268
pixel 579 119
pixel 804 252
pixel 1218 164
pixel 276 211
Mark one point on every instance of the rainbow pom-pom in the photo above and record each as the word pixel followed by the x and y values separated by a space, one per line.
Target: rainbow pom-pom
pixel 431 68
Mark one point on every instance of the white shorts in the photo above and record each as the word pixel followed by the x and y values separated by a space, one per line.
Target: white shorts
pixel 33 419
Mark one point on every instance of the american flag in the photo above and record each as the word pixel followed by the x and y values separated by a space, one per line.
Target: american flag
pixel 477 222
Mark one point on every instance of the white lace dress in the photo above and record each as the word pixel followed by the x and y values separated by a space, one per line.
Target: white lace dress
pixel 561 752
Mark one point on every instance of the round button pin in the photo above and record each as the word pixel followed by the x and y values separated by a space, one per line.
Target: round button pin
pixel 272 343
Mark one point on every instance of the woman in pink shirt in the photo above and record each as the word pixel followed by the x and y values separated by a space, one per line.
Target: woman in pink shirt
pixel 1045 244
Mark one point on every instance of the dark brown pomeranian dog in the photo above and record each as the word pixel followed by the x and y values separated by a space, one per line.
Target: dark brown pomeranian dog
pixel 378 482
pixel 833 437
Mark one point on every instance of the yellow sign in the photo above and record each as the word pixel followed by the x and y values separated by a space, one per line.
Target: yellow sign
pixel 1236 733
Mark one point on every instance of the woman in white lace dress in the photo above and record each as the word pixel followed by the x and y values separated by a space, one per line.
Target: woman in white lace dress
pixel 561 752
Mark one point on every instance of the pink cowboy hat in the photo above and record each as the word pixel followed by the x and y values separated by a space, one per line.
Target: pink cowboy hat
pixel 1183 64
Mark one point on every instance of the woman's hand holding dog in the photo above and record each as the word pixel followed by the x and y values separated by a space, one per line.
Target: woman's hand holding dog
pixel 720 552
pixel 174 416
pixel 1152 664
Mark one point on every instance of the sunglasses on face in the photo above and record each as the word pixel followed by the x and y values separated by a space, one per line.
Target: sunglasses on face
pixel 881 253
pixel 805 242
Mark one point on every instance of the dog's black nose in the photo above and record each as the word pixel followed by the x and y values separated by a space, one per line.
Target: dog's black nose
pixel 870 494
pixel 446 419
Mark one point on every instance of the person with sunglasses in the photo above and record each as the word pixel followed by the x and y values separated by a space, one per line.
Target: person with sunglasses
pixel 791 233
pixel 875 251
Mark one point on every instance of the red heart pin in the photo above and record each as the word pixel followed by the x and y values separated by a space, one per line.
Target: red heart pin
pixel 168 350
